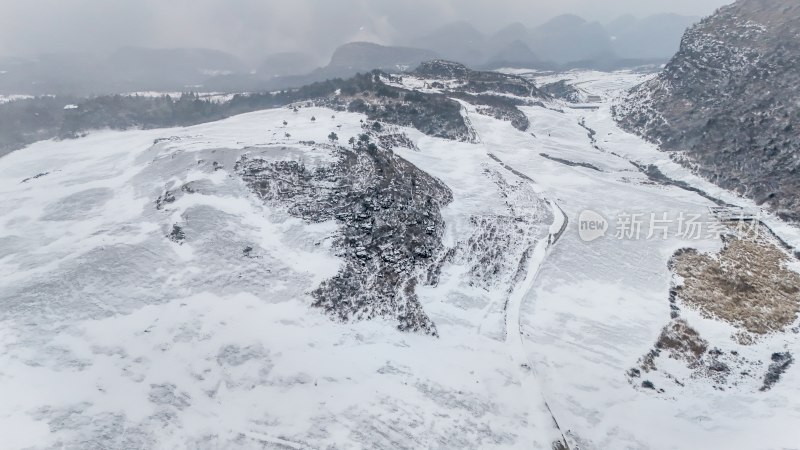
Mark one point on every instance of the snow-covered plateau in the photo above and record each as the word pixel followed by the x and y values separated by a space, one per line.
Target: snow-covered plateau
pixel 171 288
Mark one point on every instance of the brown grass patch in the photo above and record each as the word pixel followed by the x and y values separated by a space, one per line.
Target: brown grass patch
pixel 679 341
pixel 682 341
pixel 747 284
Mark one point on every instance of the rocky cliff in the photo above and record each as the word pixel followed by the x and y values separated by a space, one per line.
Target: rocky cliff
pixel 729 98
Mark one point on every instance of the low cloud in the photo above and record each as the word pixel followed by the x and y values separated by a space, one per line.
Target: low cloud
pixel 255 28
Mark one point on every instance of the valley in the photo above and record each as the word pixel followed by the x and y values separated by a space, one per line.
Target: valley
pixel 251 327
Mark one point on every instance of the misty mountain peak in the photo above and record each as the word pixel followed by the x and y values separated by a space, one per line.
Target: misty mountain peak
pixel 510 33
pixel 365 56
pixel 460 30
pixel 287 63
pixel 563 21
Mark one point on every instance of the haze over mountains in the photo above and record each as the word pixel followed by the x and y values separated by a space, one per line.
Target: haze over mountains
pixel 566 41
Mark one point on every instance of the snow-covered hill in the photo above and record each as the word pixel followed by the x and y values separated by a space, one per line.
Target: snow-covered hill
pixel 246 284
pixel 728 101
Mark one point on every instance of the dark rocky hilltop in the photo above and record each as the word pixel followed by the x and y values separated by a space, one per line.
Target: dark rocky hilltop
pixel 730 98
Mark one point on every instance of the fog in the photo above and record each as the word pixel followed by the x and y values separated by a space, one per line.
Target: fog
pixel 252 29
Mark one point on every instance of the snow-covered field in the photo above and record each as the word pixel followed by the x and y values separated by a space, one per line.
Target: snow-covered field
pixel 114 336
pixel 599 306
pixel 13 98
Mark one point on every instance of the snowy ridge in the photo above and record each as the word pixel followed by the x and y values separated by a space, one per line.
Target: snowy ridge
pixel 727 102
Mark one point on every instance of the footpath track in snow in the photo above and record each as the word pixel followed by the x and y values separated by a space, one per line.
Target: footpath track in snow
pixel 514 334
pixel 513 309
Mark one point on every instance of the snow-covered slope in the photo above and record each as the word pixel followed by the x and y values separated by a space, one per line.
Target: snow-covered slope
pixel 729 100
pixel 598 307
pixel 153 300
pixel 157 295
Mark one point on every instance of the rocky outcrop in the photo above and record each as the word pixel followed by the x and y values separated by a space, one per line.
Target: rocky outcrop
pixel 477 82
pixel 494 94
pixel 564 91
pixel 729 99
pixel 391 227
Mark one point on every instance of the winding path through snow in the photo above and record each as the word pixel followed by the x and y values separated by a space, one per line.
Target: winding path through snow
pixel 513 327
pixel 514 337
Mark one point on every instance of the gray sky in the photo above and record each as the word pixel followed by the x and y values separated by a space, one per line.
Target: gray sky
pixel 254 28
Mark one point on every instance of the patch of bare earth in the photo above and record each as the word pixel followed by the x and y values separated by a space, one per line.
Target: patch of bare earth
pixel 679 341
pixel 747 284
pixel 682 341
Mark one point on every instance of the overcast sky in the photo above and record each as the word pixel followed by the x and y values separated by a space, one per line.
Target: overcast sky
pixel 254 28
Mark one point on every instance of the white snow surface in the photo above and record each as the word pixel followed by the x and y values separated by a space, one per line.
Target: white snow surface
pixel 13 98
pixel 215 97
pixel 113 336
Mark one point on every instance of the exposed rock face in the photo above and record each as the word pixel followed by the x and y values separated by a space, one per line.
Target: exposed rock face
pixel 391 227
pixel 494 94
pixel 443 69
pixel 729 98
pixel 780 362
pixel 433 114
pixel 564 91
pixel 477 82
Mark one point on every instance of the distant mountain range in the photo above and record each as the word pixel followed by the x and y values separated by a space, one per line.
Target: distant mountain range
pixel 128 69
pixel 657 36
pixel 564 42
